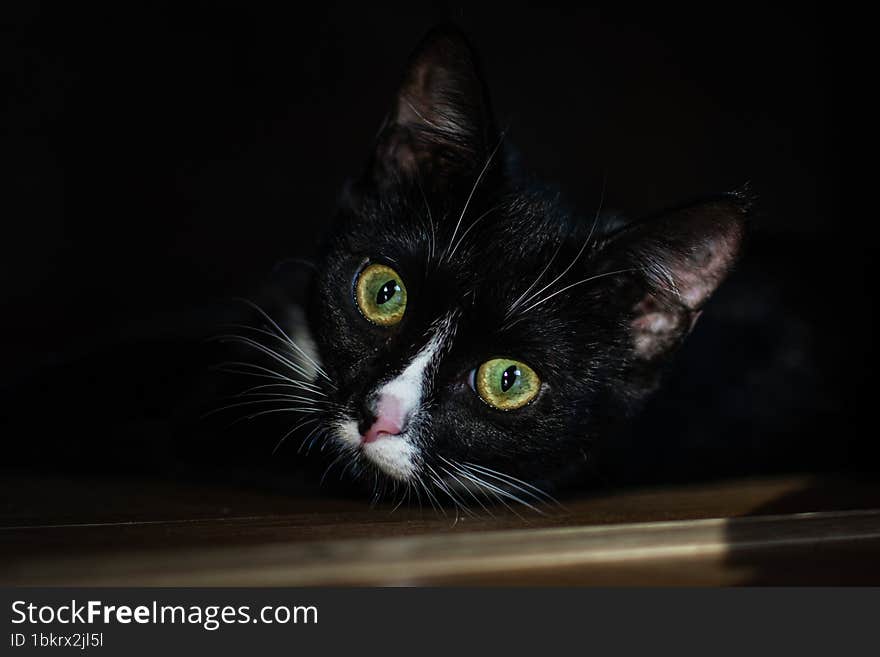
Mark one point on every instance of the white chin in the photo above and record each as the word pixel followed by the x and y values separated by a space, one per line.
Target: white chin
pixel 393 455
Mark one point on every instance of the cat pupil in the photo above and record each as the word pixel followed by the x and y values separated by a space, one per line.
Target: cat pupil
pixel 386 292
pixel 508 378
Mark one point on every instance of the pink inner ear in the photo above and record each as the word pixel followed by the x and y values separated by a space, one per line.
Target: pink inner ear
pixel 700 248
pixel 654 328
pixel 697 275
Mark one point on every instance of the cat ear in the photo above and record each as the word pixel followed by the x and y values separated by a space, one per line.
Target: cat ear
pixel 680 257
pixel 440 125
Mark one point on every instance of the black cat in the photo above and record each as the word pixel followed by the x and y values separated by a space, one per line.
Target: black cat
pixel 470 334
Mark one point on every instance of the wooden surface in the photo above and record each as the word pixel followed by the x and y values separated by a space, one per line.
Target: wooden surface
pixel 147 532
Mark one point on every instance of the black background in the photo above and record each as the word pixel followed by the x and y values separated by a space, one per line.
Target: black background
pixel 159 157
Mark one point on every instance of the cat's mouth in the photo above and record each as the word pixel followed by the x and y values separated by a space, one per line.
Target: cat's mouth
pixel 393 454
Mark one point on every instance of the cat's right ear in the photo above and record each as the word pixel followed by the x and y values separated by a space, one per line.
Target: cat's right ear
pixel 676 260
pixel 440 127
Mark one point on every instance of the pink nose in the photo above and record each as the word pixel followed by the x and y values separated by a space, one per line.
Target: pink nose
pixel 389 419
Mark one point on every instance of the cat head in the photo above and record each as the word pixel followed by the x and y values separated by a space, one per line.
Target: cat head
pixel 472 331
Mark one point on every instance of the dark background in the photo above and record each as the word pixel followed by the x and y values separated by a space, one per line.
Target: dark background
pixel 161 157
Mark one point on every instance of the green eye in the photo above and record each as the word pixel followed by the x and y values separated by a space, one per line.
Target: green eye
pixel 381 295
pixel 505 384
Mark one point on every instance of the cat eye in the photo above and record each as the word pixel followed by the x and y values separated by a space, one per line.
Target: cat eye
pixel 380 295
pixel 505 384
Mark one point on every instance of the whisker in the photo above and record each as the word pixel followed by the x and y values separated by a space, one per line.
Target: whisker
pixel 277 395
pixel 473 223
pixel 293 344
pixel 284 382
pixel 438 480
pixel 433 237
pixel 473 190
pixel 319 433
pixel 338 458
pixel 228 370
pixel 519 299
pixel 502 491
pixel 290 409
pixel 560 276
pixel 435 503
pixel 265 372
pixel 489 488
pixel 586 280
pixel 537 493
pixel 268 351
pixel 278 385
pixel 404 496
pixel 579 253
pixel 282 339
pixel 296 428
pixel 469 491
pixel 247 403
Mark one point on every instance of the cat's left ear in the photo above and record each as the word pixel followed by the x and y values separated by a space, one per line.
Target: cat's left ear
pixel 677 260
pixel 441 125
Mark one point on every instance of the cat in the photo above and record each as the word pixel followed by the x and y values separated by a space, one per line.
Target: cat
pixel 465 333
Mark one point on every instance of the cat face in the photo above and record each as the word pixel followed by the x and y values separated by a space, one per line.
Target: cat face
pixel 474 333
